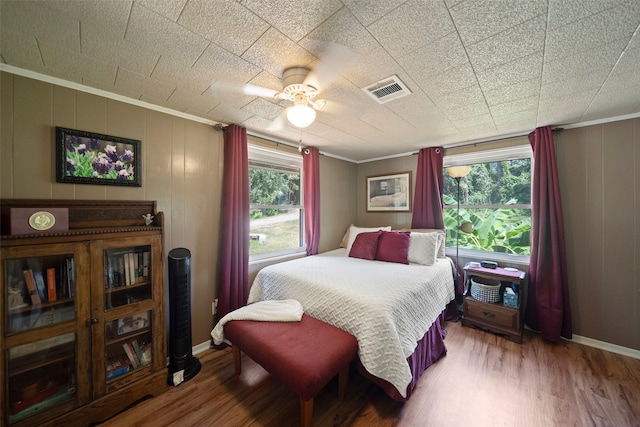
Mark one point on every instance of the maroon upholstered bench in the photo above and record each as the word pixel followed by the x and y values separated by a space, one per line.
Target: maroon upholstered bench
pixel 304 356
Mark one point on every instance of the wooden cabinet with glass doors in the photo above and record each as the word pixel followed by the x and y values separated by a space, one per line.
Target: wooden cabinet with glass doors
pixel 82 314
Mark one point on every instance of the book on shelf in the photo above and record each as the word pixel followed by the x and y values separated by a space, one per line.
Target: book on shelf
pixel 121 271
pixel 111 270
pixel 35 266
pixel 131 355
pixel 127 273
pixel 71 277
pixel 32 287
pixel 118 366
pixel 140 265
pixel 132 269
pixel 136 267
pixel 119 371
pixel 126 267
pixel 51 284
pixel 108 273
pixel 137 350
pixel 40 285
pixel 62 289
pixel 145 265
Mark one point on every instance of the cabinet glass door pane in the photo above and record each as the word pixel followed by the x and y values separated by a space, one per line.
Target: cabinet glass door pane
pixel 129 344
pixel 41 375
pixel 127 275
pixel 40 291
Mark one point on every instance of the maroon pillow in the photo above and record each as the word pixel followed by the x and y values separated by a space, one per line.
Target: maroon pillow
pixel 393 246
pixel 365 245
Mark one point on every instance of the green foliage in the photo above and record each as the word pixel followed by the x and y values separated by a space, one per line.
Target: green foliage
pixel 277 191
pixel 494 183
pixel 495 230
pixel 271 187
pixel 502 230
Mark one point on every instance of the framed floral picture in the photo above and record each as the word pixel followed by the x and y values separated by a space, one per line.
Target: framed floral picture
pixel 389 193
pixel 92 158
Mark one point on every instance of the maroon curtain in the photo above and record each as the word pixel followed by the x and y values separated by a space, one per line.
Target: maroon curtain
pixel 311 183
pixel 427 203
pixel 427 207
pixel 233 255
pixel 548 308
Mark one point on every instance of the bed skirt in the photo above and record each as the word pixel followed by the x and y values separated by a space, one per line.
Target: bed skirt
pixel 428 351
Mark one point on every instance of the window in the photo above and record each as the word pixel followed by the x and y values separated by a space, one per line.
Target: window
pixel 495 197
pixel 275 198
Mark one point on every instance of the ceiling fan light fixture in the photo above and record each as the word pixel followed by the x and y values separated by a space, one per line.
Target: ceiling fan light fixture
pixel 301 115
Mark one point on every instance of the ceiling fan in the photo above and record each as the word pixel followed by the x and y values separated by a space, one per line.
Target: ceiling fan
pixel 300 85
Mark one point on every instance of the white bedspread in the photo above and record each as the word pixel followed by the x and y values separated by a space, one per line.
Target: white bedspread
pixel 388 307
pixel 264 311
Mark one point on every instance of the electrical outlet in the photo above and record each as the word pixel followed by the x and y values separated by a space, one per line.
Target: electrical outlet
pixel 214 306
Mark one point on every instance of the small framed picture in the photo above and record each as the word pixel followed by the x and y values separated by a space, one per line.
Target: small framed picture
pixel 389 193
pixel 92 158
pixel 133 323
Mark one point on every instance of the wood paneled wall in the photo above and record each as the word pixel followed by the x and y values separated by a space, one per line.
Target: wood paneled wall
pixel 181 170
pixel 599 173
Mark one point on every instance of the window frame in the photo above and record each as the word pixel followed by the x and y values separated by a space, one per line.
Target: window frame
pixel 513 152
pixel 277 160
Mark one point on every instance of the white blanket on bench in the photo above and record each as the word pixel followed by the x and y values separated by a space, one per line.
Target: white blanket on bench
pixel 289 310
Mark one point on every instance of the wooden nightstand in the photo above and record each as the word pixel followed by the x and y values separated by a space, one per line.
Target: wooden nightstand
pixel 496 317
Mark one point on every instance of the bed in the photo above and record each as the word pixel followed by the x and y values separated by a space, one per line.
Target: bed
pixel 394 310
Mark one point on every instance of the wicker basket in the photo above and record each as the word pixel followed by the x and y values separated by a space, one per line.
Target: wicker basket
pixel 485 292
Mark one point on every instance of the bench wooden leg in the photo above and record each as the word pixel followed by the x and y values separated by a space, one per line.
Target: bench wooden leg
pixel 306 412
pixel 343 379
pixel 237 364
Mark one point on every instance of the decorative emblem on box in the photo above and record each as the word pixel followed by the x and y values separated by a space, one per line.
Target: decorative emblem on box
pixel 29 220
pixel 42 220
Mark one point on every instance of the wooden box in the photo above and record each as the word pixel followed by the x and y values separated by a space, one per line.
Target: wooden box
pixel 34 220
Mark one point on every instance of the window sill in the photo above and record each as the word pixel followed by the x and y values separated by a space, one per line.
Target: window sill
pixel 500 258
pixel 279 256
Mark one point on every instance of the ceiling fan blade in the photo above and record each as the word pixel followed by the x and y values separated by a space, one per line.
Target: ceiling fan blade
pixel 280 122
pixel 246 89
pixel 333 60
pixel 340 109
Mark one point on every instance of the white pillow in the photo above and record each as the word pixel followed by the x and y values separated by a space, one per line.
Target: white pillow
pixel 354 231
pixel 423 248
pixel 442 238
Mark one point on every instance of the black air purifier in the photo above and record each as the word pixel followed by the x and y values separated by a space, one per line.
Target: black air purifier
pixel 182 365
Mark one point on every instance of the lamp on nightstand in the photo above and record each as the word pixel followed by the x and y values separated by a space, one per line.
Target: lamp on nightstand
pixel 457 173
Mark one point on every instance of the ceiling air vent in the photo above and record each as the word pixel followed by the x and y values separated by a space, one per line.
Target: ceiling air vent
pixel 387 89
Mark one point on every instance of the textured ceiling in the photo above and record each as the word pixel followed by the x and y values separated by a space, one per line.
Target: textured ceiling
pixel 477 69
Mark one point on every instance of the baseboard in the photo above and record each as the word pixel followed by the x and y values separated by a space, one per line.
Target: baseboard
pixel 613 348
pixel 201 347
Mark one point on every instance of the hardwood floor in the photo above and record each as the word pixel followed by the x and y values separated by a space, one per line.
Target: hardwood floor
pixel 484 380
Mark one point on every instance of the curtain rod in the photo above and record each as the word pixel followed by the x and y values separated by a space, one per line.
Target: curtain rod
pixel 476 143
pixel 271 141
pixel 222 128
